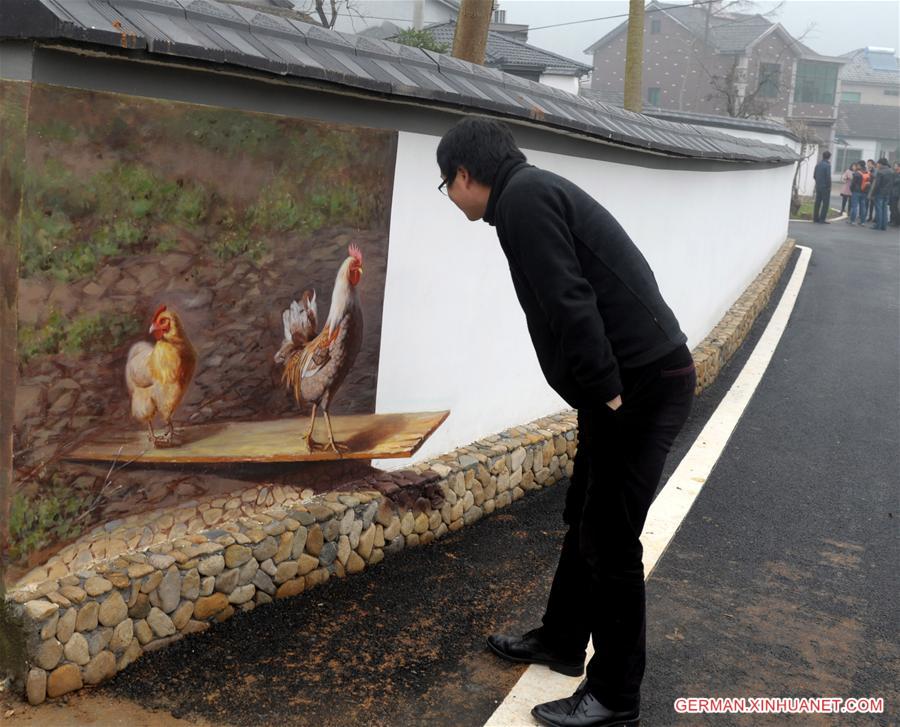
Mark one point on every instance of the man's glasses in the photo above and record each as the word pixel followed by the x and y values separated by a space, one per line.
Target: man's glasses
pixel 442 187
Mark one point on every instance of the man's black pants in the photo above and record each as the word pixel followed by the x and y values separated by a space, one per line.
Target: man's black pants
pixel 598 588
pixel 822 204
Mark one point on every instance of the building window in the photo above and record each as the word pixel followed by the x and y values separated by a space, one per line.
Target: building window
pixel 816 82
pixel 655 27
pixel 845 157
pixel 653 96
pixel 850 96
pixel 890 150
pixel 769 79
pixel 892 92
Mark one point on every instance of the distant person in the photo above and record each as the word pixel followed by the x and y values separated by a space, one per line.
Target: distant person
pixel 871 169
pixel 608 344
pixel 895 197
pixel 822 177
pixel 845 190
pixel 882 188
pixel 856 195
pixel 864 188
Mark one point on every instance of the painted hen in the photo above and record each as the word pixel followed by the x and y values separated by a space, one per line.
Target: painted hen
pixel 158 374
pixel 315 372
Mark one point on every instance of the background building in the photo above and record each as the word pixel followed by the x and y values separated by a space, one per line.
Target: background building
pixel 868 124
pixel 702 58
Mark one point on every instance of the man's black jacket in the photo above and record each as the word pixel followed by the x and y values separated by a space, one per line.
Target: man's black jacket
pixel 590 299
pixel 822 174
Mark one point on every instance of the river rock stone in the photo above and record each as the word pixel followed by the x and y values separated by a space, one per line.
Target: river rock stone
pixel 343 549
pixel 36 686
pixel 237 555
pixel 227 580
pixel 77 650
pixel 306 564
pixel 113 610
pixel 122 635
pixel 183 614
pixel 207 585
pixel 160 561
pixel 263 582
pixel 247 571
pixel 48 630
pixel 207 606
pixel 97 586
pixel 66 626
pixel 300 535
pixel 141 607
pixel 160 623
pixel 355 564
pixel 315 540
pixel 286 571
pixel 40 610
pixel 170 590
pixel 100 668
pixel 265 549
pixel 242 594
pixel 328 554
pixel 98 640
pixel 48 654
pixel 151 582
pixel 190 585
pixel 87 616
pixel 291 588
pixel 143 632
pixel 285 545
pixel 64 679
pixel 211 566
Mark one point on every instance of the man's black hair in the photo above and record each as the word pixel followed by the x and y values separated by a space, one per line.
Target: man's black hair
pixel 478 144
pixel 826 155
pixel 883 162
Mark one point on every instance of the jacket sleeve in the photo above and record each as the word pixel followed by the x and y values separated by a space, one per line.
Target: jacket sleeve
pixel 541 245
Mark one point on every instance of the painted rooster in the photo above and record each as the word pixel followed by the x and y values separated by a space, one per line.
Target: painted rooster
pixel 158 374
pixel 300 325
pixel 315 371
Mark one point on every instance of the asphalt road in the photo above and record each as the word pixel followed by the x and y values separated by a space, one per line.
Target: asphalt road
pixel 782 581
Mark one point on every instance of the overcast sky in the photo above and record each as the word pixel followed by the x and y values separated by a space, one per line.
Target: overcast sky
pixel 840 25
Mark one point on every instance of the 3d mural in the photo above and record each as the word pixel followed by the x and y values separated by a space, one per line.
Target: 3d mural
pixel 191 280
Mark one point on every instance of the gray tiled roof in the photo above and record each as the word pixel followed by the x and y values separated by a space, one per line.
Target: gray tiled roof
pixel 617 98
pixel 859 68
pixel 728 32
pixel 868 121
pixel 502 51
pixel 227 35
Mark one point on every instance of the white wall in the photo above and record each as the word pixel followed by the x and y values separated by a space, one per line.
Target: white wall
pixel 454 336
pixel 806 185
pixel 566 83
pixel 871 94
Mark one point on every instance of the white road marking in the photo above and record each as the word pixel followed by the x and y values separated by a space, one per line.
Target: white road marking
pixel 539 684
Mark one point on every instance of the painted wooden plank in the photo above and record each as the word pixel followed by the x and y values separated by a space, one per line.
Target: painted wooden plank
pixel 366 436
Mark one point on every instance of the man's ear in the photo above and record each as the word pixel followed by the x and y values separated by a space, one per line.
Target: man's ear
pixel 463 174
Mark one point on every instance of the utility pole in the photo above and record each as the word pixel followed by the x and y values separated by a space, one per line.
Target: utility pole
pixel 634 56
pixel 472 24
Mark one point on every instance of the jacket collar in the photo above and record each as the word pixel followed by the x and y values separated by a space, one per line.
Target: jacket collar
pixel 507 170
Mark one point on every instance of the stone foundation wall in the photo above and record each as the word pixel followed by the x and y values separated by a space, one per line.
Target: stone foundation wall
pixel 714 351
pixel 138 584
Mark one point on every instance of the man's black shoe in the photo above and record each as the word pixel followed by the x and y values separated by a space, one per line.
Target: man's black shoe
pixel 529 649
pixel 583 709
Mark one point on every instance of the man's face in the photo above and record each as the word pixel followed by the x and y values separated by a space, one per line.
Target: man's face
pixel 470 196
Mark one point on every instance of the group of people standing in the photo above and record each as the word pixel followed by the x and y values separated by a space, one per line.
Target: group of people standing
pixel 870 192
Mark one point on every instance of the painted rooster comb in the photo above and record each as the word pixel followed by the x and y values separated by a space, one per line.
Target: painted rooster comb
pixel 355 253
pixel 159 310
